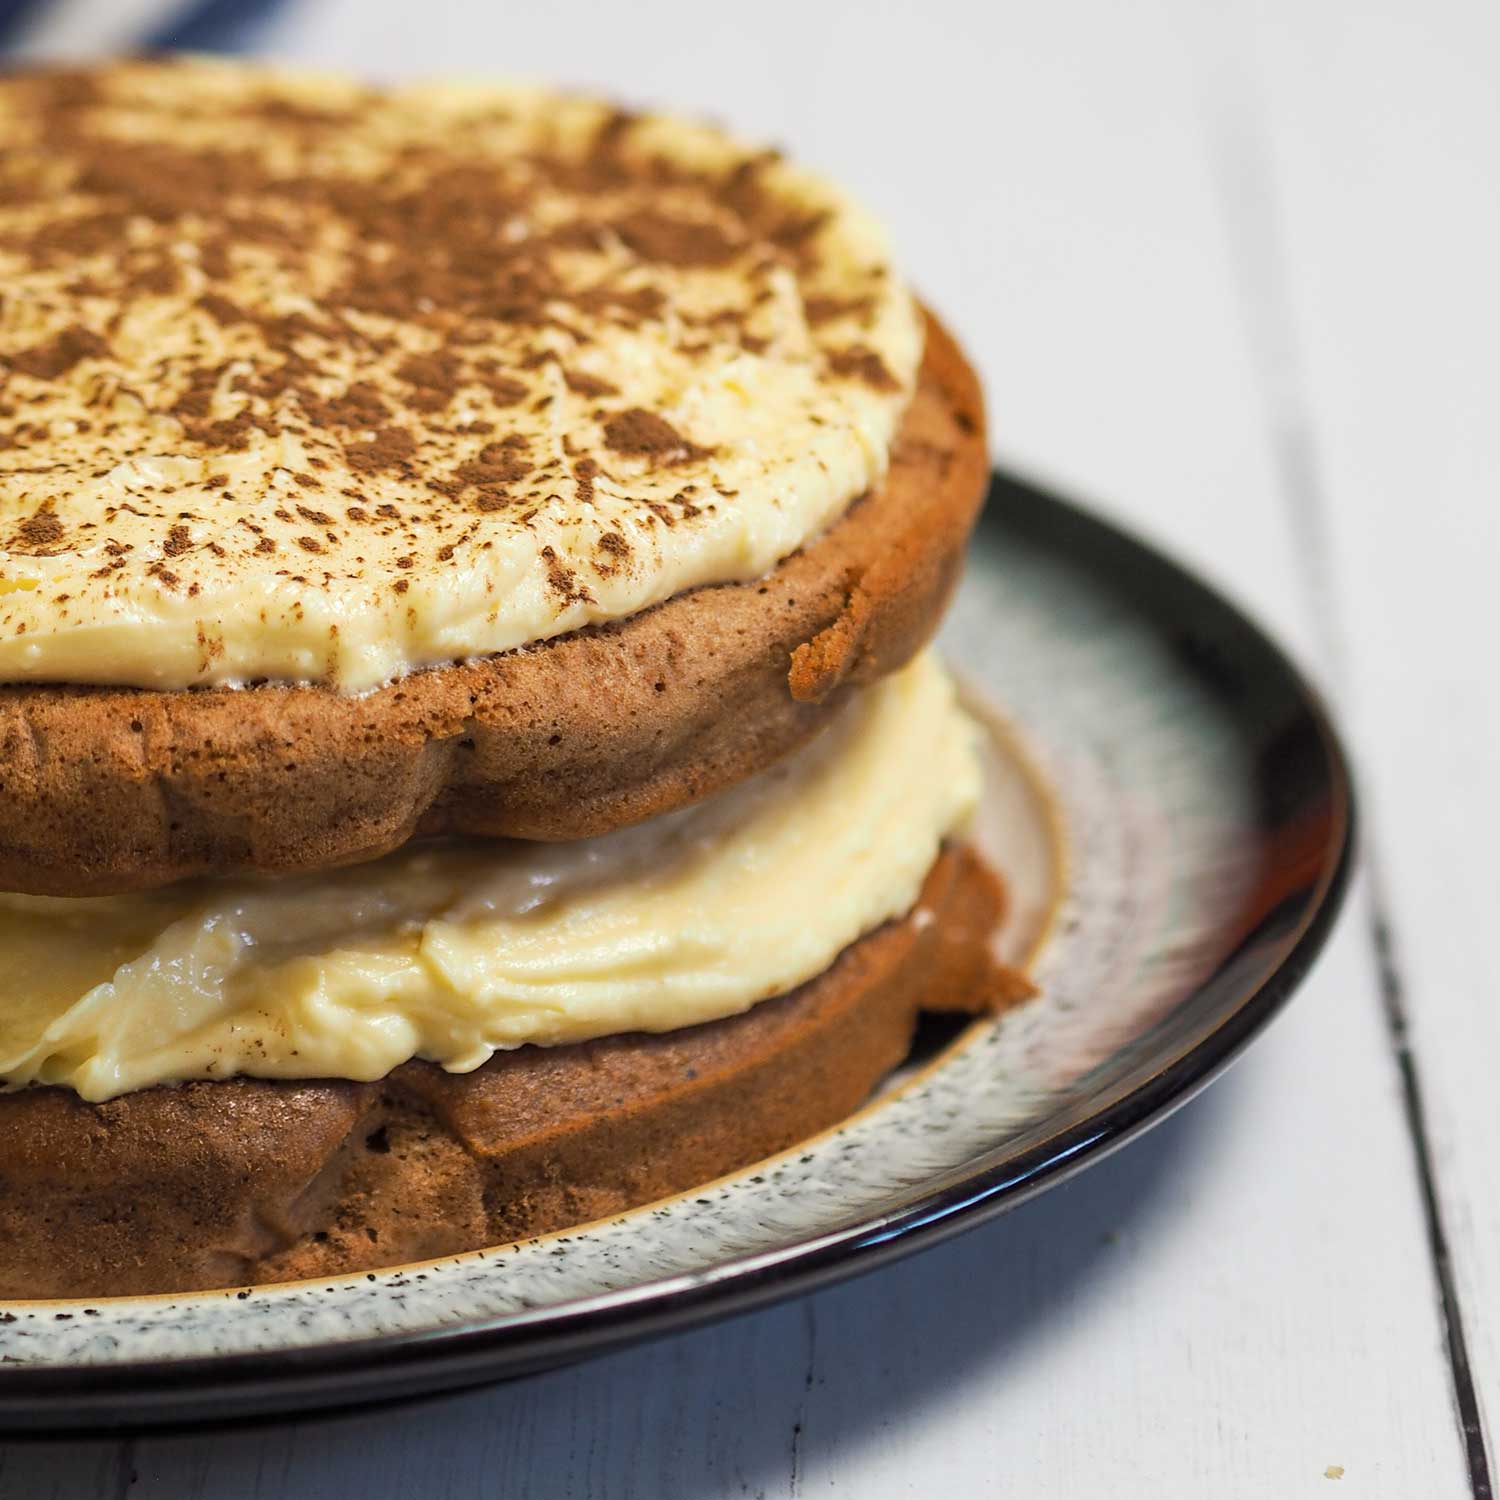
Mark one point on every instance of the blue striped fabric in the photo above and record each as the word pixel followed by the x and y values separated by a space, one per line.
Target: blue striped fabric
pixel 211 26
pixel 179 25
pixel 15 15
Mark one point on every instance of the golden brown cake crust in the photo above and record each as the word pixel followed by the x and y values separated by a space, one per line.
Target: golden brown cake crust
pixel 105 789
pixel 249 1181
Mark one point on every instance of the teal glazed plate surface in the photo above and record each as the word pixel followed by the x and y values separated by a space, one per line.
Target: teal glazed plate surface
pixel 1173 813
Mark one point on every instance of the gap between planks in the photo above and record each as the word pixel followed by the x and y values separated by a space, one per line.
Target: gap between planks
pixel 1240 160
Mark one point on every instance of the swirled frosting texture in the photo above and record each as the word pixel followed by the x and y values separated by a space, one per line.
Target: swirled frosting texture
pixel 307 381
pixel 454 952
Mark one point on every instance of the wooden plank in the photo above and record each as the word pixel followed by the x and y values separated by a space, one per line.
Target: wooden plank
pixel 1386 134
pixel 65 1471
pixel 1243 1299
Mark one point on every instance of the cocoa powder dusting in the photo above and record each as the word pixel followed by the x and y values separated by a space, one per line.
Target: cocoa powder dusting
pixel 38 532
pixel 390 449
pixel 563 581
pixel 645 434
pixel 359 301
pixel 859 362
pixel 57 355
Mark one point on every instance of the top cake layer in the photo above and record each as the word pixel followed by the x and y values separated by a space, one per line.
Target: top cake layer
pixel 305 381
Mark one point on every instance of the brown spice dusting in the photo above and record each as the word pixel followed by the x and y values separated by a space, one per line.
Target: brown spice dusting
pixel 497 464
pixel 677 242
pixel 435 378
pixel 447 278
pixel 222 310
pixel 155 278
pixel 821 310
pixel 563 580
pixel 54 357
pixel 585 471
pixel 504 390
pixel 859 362
pixel 797 231
pixel 166 182
pixel 360 407
pixel 38 531
pixel 390 449
pixel 584 384
pixel 645 434
pixel 616 552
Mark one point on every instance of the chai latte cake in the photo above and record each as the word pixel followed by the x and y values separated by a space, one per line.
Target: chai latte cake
pixel 471 763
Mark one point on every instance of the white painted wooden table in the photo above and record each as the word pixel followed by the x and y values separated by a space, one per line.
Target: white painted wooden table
pixel 1230 272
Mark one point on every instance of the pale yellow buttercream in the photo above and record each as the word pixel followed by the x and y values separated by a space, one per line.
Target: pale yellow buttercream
pixel 452 952
pixel 177 504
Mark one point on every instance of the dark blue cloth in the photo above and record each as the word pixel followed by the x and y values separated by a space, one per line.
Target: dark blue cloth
pixel 210 26
pixel 14 17
pixel 189 26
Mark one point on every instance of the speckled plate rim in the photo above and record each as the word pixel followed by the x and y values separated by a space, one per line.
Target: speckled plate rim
pixel 1233 1003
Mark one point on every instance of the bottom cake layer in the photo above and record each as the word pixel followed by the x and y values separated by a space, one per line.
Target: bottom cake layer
pixel 247 1181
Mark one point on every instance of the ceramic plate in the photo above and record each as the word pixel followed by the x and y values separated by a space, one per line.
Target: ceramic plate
pixel 1172 809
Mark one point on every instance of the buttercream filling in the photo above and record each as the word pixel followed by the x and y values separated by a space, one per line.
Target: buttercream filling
pixel 452 952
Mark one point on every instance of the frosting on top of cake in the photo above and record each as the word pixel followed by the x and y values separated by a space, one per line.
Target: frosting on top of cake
pixel 304 380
